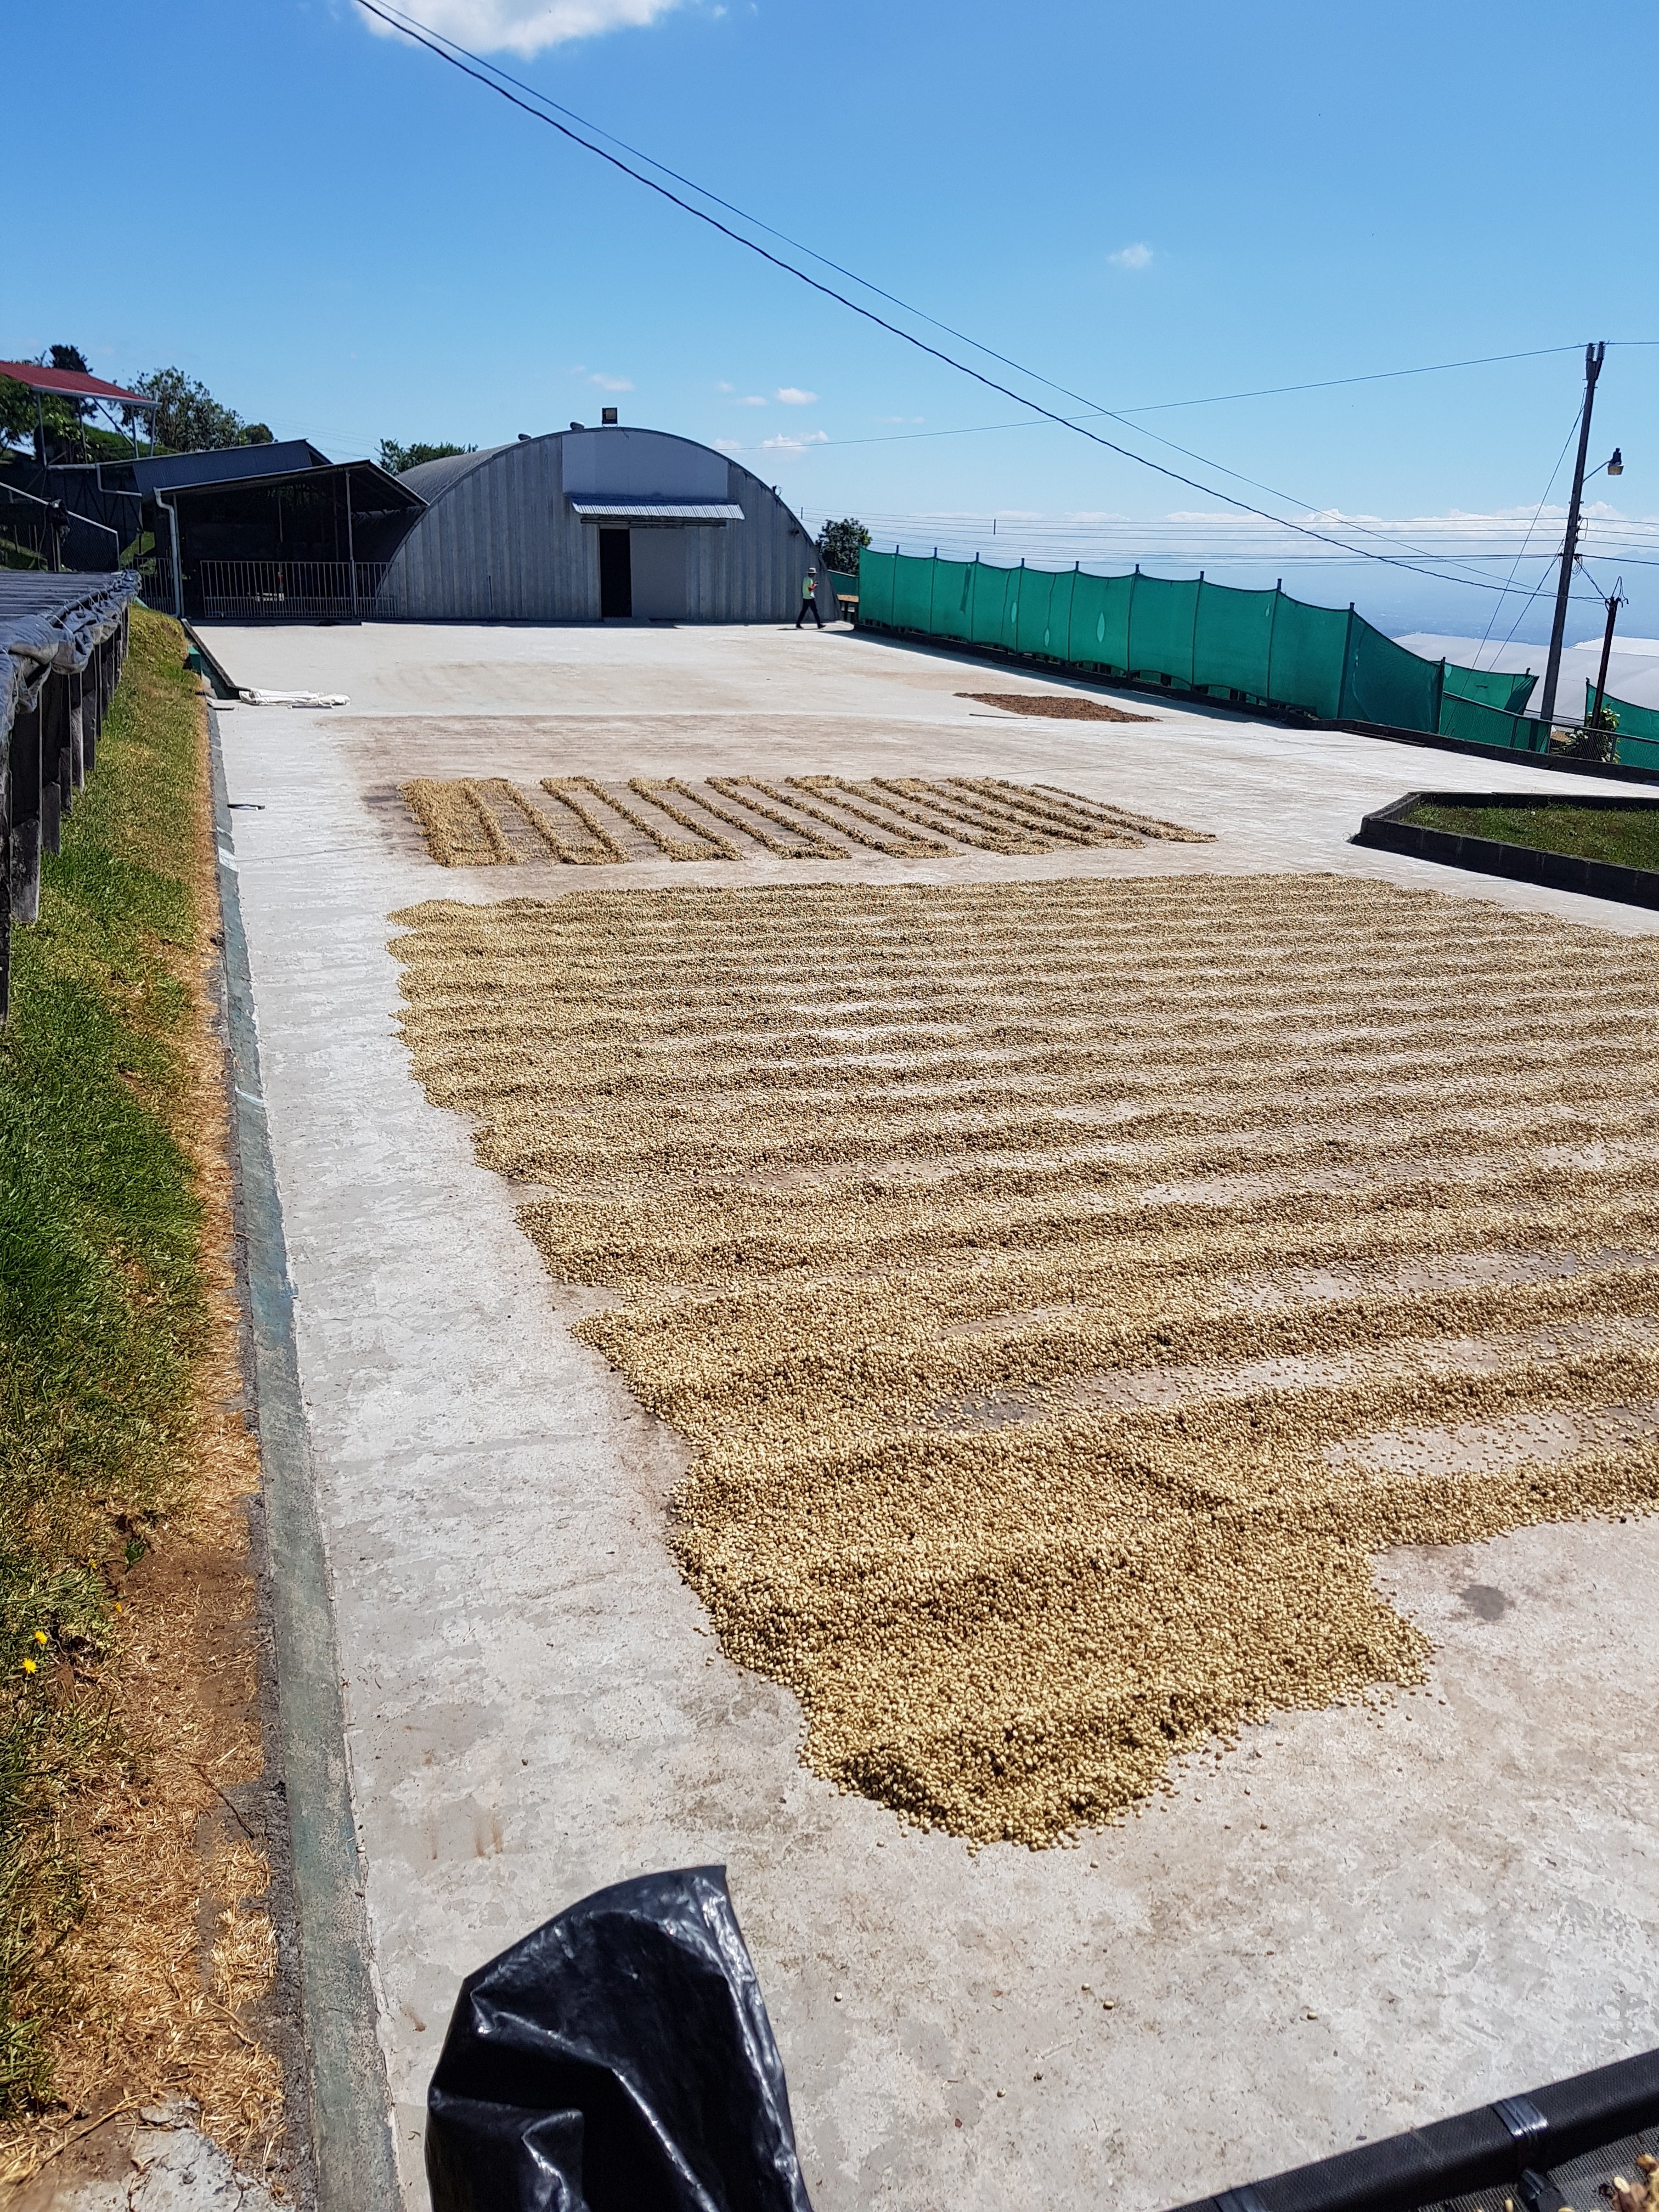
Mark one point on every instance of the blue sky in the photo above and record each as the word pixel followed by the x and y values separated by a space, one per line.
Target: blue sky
pixel 343 237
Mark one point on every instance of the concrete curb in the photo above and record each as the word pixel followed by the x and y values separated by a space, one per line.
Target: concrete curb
pixel 1492 856
pixel 355 2164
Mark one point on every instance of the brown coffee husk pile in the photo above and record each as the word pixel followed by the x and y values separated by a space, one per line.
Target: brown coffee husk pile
pixel 1066 1288
pixel 1059 706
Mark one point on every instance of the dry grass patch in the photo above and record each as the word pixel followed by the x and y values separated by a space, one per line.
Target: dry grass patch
pixel 1068 1288
pixel 136 1952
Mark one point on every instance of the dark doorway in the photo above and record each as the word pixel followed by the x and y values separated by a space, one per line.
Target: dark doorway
pixel 615 574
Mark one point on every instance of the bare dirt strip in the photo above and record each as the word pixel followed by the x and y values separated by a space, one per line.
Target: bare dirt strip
pixel 482 822
pixel 1068 1288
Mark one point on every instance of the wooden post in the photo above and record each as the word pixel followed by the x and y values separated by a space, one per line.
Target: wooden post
pixel 25 839
pixel 77 682
pixel 54 744
pixel 5 873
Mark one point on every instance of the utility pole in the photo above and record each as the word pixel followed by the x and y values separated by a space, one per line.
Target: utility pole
pixel 1593 356
pixel 1615 600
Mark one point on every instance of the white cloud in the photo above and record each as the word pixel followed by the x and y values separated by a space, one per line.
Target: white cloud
pixel 729 445
pixel 900 418
pixel 726 387
pixel 787 445
pixel 1131 257
pixel 611 383
pixel 752 400
pixel 791 395
pixel 526 27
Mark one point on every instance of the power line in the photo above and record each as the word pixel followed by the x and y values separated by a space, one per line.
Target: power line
pixel 492 69
pixel 1521 550
pixel 800 245
pixel 472 66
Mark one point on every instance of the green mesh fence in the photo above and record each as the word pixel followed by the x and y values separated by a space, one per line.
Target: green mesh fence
pixel 1198 637
pixel 1638 729
pixel 1233 641
pixel 1473 723
pixel 1163 617
pixel 1382 682
pixel 1491 687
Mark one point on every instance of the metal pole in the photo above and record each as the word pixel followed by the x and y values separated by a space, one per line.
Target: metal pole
pixel 1607 654
pixel 171 514
pixel 351 549
pixel 1570 544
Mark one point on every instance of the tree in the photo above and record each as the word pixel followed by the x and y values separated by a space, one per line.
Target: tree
pixel 189 419
pixel 395 458
pixel 70 357
pixel 23 412
pixel 16 412
pixel 840 543
pixel 256 434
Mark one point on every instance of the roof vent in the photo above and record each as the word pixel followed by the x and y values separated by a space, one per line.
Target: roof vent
pixel 575 426
pixel 525 438
pixel 608 416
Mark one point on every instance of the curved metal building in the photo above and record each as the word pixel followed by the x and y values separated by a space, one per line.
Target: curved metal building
pixel 586 524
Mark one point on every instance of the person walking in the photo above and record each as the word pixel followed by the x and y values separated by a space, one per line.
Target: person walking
pixel 809 600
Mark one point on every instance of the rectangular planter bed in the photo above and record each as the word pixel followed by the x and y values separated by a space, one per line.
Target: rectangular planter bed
pixel 1558 2145
pixel 1388 827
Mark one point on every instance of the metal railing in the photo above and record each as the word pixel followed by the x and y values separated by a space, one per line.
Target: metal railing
pixel 282 591
pixel 155 581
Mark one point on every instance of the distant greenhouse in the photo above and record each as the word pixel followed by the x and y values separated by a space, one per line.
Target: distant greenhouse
pixel 588 524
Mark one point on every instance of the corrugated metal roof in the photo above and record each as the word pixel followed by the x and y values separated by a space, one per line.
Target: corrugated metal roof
pixel 72 381
pixel 431 478
pixel 224 465
pixel 657 510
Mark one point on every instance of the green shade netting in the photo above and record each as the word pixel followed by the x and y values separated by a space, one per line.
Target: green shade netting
pixel 876 586
pixel 1637 722
pixel 953 589
pixel 1385 684
pixel 1306 662
pixel 1100 620
pixel 1045 613
pixel 1474 724
pixel 1197 636
pixel 913 595
pixel 1162 616
pixel 1490 687
pixel 1232 643
pixel 988 601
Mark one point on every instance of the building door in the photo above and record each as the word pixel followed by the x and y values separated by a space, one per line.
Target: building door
pixel 616 574
pixel 657 575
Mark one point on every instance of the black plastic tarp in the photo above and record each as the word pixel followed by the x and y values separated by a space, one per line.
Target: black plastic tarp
pixel 619 2059
pixel 53 621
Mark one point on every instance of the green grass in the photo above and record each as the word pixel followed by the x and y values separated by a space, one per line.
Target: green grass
pixel 101 1304
pixel 1593 833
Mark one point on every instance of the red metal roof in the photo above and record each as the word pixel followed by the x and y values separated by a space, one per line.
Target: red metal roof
pixel 70 381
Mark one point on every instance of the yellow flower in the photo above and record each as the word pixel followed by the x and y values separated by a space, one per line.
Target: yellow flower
pixel 28 1666
pixel 40 1635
